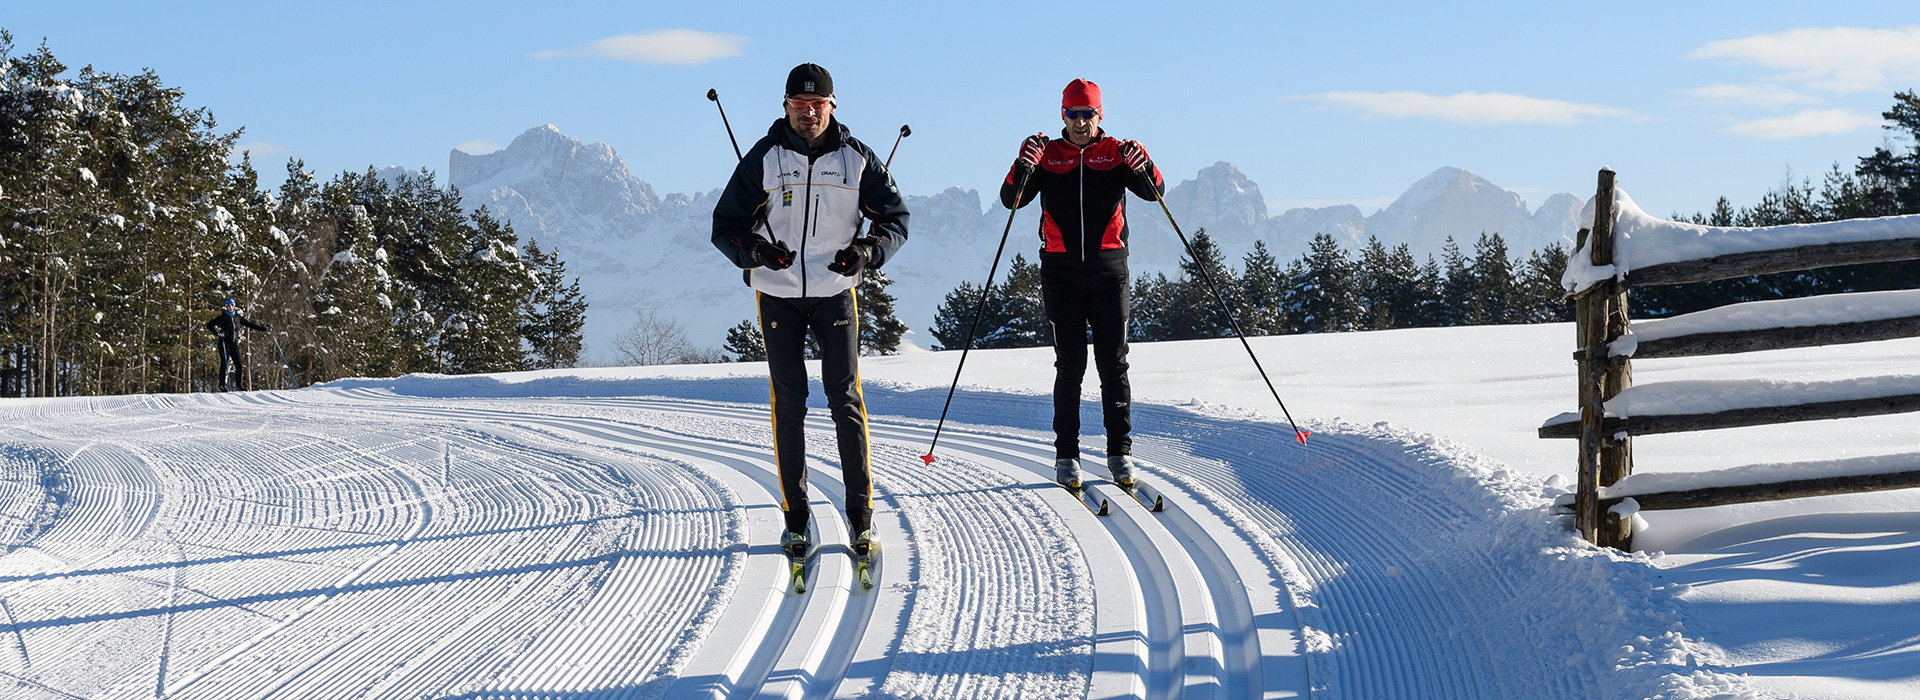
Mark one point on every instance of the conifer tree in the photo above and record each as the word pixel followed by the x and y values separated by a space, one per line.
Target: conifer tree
pixel 554 314
pixel 1388 287
pixel 1540 286
pixel 1012 316
pixel 1026 314
pixel 353 313
pixel 1261 288
pixel 880 329
pixel 1457 286
pixel 745 343
pixel 1321 290
pixel 1495 296
pixel 1151 297
pixel 1193 312
pixel 1430 308
pixel 484 311
pixel 962 310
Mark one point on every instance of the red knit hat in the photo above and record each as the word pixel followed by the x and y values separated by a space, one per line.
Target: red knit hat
pixel 1081 92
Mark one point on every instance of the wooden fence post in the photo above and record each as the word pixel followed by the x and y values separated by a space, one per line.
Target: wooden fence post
pixel 1616 454
pixel 1599 318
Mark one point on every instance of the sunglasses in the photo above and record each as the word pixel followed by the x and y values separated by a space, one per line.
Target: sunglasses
pixel 819 105
pixel 1079 113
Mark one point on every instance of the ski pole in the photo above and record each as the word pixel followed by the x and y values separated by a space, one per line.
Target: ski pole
pixel 714 95
pixel 904 132
pixel 1019 192
pixel 1298 434
pixel 860 234
pixel 283 359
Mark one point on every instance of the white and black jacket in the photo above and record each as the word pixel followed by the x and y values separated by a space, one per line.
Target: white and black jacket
pixel 812 200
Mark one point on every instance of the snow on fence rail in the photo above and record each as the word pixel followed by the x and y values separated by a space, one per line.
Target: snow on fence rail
pixel 1621 247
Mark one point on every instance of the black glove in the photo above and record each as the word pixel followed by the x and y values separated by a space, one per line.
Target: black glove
pixel 853 258
pixel 770 254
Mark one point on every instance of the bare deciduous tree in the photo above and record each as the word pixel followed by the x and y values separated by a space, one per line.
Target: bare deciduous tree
pixel 654 339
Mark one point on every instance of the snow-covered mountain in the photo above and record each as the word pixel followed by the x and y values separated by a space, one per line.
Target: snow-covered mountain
pixel 634 249
pixel 631 248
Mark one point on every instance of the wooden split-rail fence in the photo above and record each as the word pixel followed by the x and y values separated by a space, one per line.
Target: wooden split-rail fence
pixel 1605 372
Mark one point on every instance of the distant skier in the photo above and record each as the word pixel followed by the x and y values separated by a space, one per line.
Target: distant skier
pixel 1082 181
pixel 226 327
pixel 790 218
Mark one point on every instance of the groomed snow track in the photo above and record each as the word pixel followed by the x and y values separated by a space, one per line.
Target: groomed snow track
pixel 354 542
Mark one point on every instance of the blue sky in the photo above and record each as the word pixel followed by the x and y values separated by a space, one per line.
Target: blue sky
pixel 1319 103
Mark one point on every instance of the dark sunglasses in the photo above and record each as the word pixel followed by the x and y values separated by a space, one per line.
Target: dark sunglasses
pixel 1078 113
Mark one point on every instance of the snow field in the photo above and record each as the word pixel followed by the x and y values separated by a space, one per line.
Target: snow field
pixel 472 539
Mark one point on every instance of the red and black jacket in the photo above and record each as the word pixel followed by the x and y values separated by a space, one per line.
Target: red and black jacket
pixel 1083 201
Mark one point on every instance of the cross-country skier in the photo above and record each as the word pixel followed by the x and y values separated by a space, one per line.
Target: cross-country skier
pixel 790 217
pixel 226 328
pixel 1082 181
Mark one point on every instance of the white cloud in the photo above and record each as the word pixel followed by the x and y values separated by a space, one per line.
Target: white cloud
pixel 1838 59
pixel 1773 96
pixel 259 149
pixel 1812 122
pixel 1467 107
pixel 477 147
pixel 680 47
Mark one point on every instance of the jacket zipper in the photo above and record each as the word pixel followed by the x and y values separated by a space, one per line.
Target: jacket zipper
pixel 1082 168
pixel 806 227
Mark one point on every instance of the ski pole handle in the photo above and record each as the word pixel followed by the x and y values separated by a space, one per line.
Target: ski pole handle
pixel 714 95
pixel 904 132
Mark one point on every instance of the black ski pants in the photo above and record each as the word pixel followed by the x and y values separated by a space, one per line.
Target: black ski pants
pixel 834 323
pixel 229 363
pixel 1079 301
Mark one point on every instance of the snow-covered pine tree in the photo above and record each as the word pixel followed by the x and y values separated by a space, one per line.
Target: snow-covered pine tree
pixel 354 309
pixel 1321 291
pixel 491 284
pixel 554 313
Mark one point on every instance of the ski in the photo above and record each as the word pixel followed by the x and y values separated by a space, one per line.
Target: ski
pixel 1147 496
pixel 863 565
pixel 797 571
pixel 1091 499
pixel 799 551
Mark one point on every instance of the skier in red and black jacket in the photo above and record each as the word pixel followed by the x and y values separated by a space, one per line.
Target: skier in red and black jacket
pixel 1082 181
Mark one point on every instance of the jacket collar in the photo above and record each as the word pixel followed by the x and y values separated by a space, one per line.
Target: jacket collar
pixel 1099 134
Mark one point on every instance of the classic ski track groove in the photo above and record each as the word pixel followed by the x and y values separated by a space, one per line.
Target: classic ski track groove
pixel 890 455
pixel 1179 593
pixel 530 528
pixel 777 668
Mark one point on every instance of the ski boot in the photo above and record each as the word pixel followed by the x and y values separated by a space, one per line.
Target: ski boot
pixel 1121 466
pixel 865 548
pixel 1066 472
pixel 797 548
